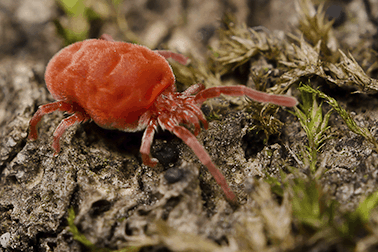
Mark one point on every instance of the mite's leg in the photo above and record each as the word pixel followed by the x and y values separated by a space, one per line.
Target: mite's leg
pixel 145 148
pixel 204 157
pixel 193 89
pixel 175 56
pixel 197 111
pixel 282 100
pixel 166 54
pixel 189 117
pixel 106 37
pixel 43 110
pixel 66 123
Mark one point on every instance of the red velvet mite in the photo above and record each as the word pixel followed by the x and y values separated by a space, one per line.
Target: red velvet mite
pixel 129 87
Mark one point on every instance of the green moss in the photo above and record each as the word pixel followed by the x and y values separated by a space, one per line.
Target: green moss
pixel 350 122
pixel 314 123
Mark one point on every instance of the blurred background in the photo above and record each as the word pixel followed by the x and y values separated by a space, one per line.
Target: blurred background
pixel 41 27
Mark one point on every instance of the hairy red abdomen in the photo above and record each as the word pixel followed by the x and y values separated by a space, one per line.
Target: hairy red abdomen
pixel 114 82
